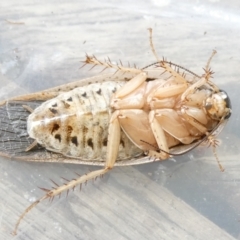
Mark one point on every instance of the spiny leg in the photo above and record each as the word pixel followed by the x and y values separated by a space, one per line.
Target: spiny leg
pixel 203 80
pixel 210 138
pixel 152 46
pixel 160 135
pixel 112 152
pixel 160 138
pixel 213 142
pixel 56 191
pixel 179 77
pixel 194 122
pixel 131 85
pixel 108 64
pixel 165 65
pixel 193 88
pixel 208 73
pixel 207 69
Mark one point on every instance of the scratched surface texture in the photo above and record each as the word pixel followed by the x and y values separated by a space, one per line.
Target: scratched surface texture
pixel 41 46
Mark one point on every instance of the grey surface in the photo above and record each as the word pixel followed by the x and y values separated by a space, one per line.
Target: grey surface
pixel 42 45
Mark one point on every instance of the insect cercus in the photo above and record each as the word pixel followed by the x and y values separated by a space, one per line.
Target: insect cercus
pixel 133 116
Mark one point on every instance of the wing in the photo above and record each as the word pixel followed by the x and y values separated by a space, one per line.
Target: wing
pixel 55 91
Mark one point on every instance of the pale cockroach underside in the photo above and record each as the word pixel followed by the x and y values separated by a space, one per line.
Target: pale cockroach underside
pixel 133 116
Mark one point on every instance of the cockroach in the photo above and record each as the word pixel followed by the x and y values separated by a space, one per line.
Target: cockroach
pixel 133 116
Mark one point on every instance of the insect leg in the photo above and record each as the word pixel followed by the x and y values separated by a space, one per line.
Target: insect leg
pixel 56 191
pixel 207 68
pixel 205 79
pixel 108 64
pixel 131 85
pixel 114 132
pixel 168 127
pixel 193 88
pixel 165 65
pixel 211 139
pixel 135 124
pixel 160 138
pixel 214 143
pixel 112 151
pixel 194 122
pixel 167 91
pixel 152 46
pixel 171 123
pixel 130 96
pixel 208 73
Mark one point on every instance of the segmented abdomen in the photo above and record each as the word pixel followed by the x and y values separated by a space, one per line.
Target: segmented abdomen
pixel 76 123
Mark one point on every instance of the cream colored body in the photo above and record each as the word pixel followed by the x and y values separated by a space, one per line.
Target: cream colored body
pixel 76 123
pixel 112 119
pixel 157 114
pixel 152 114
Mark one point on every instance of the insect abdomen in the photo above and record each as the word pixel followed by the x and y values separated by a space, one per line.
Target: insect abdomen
pixel 76 123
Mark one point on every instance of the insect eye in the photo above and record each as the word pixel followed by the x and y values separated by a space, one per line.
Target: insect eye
pixel 227 102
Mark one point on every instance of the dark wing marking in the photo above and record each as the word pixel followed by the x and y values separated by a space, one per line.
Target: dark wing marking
pixel 14 138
